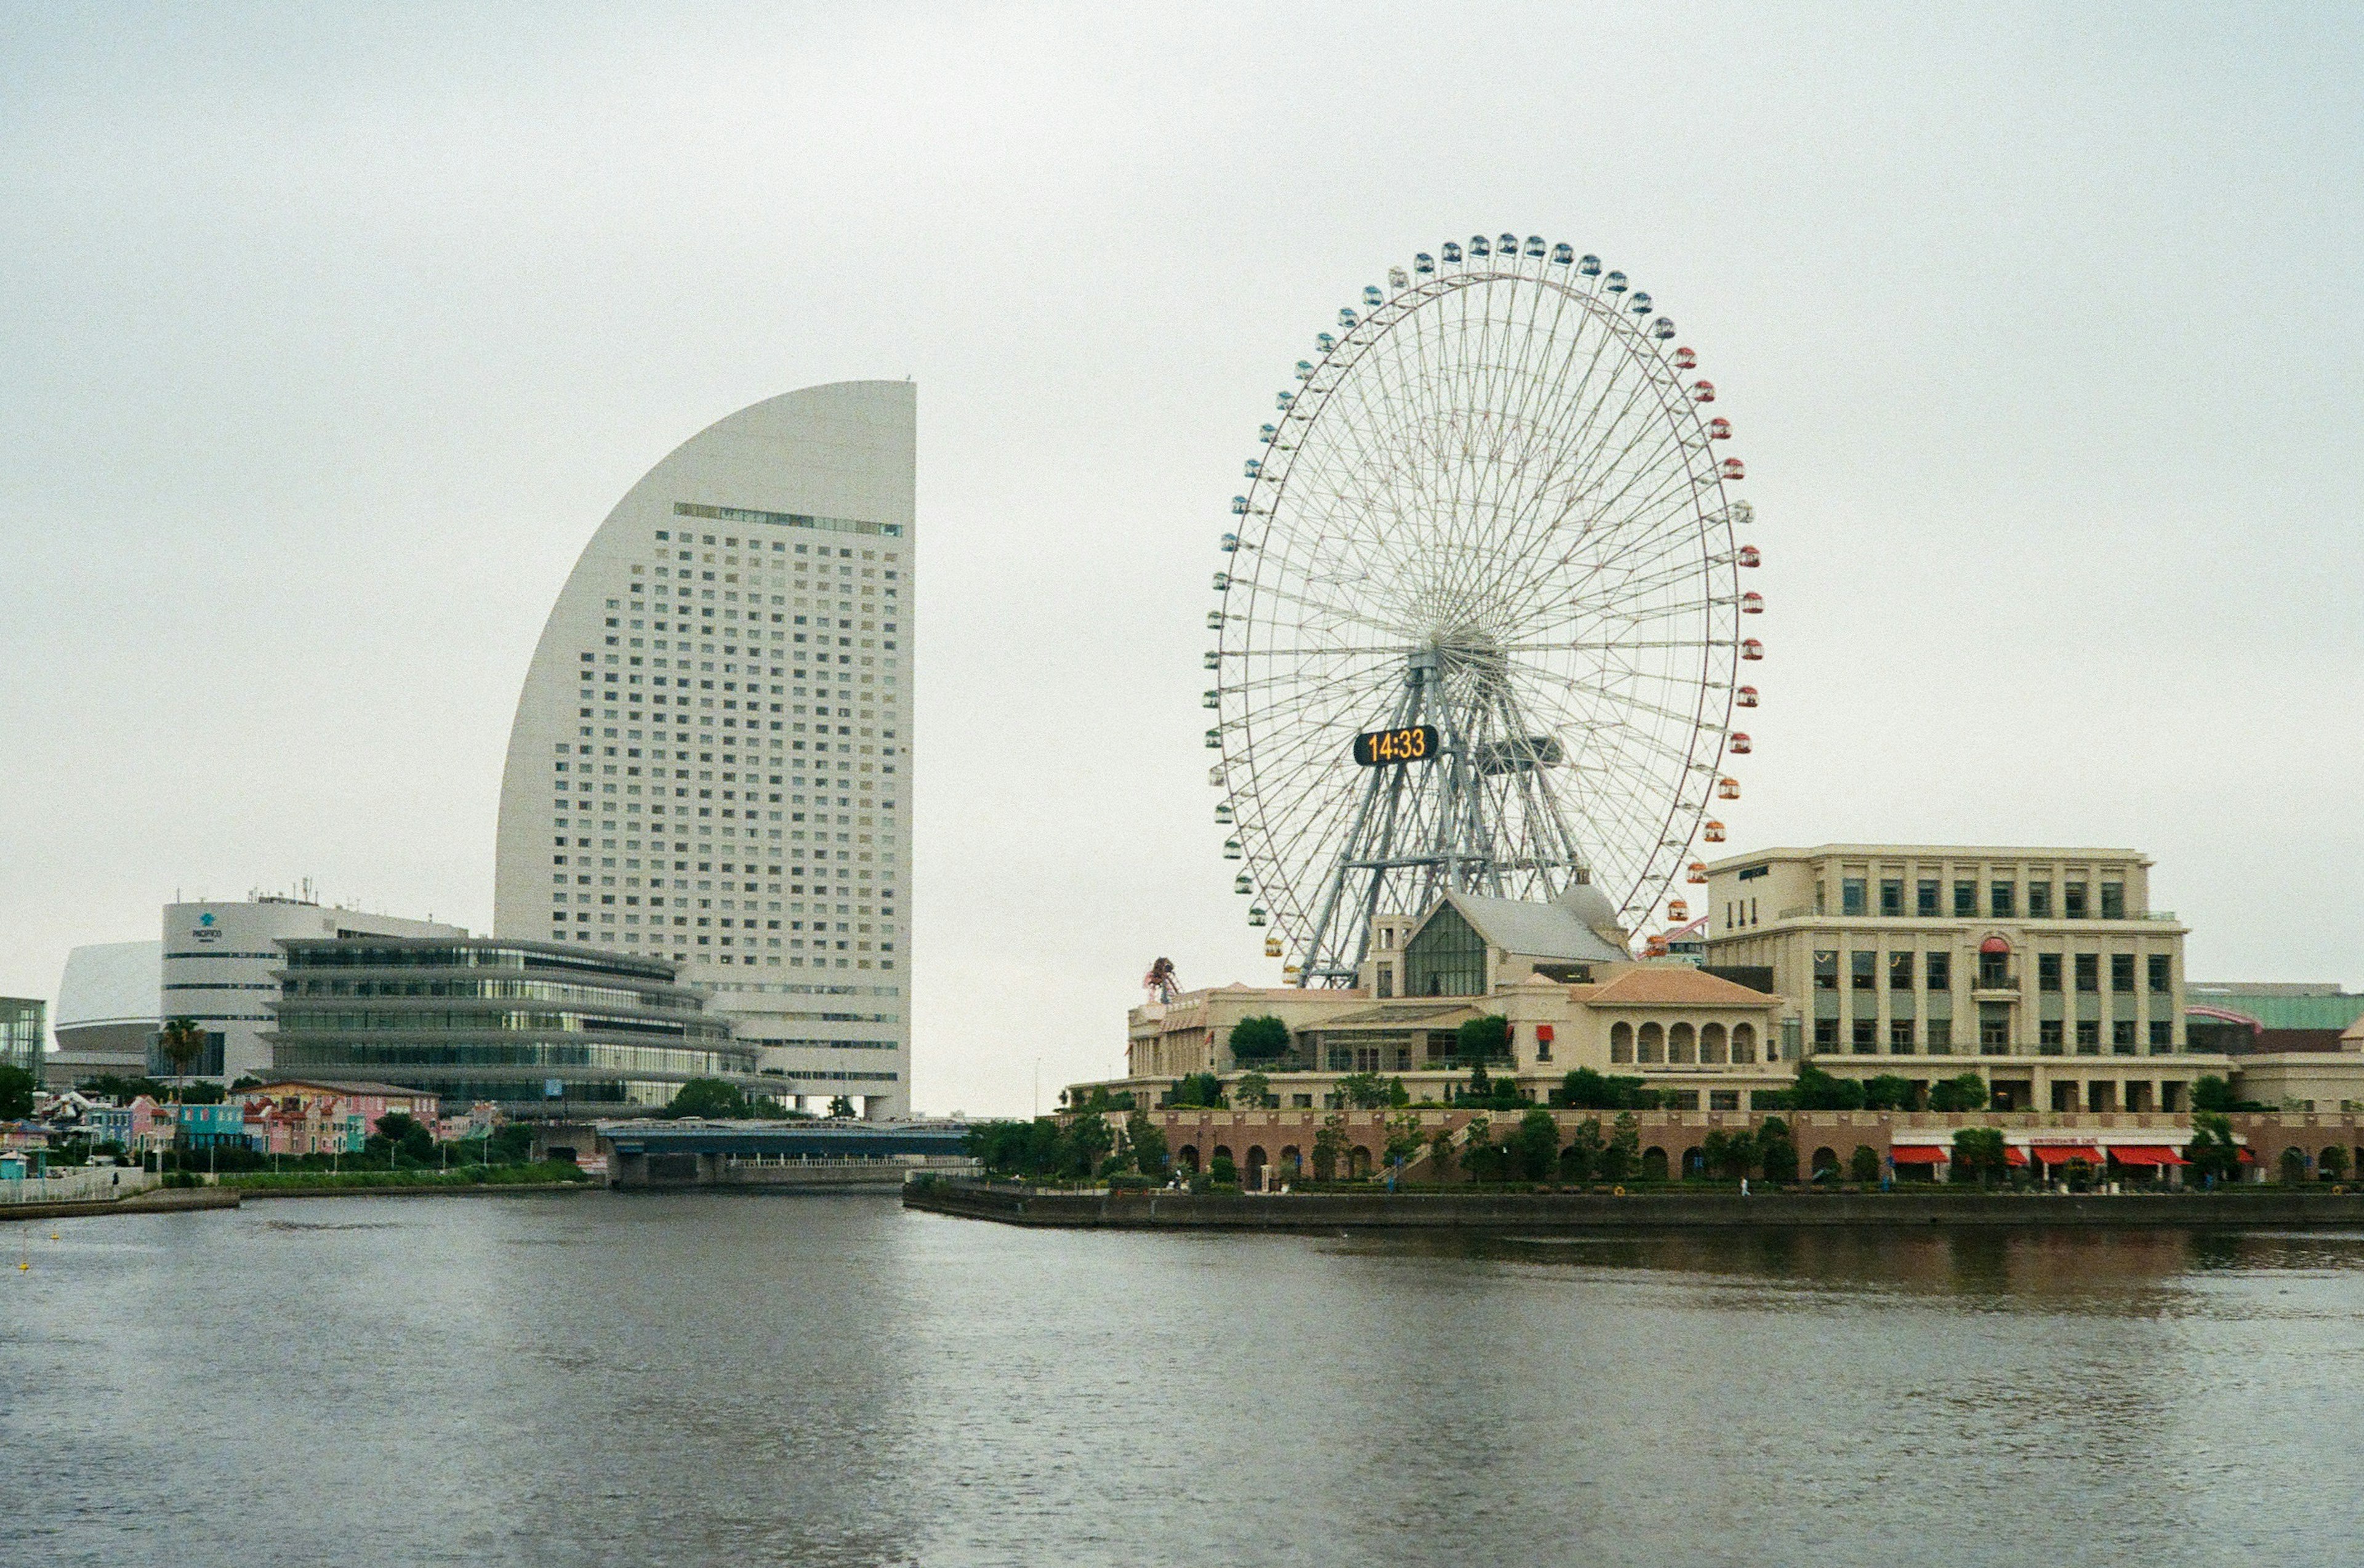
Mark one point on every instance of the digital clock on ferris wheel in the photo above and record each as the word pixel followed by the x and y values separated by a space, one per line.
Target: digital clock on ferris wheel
pixel 1385 748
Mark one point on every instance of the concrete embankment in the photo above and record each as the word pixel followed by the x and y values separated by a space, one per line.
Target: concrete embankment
pixel 1639 1211
pixel 155 1200
pixel 443 1189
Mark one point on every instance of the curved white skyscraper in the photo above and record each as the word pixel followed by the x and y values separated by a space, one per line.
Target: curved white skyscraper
pixel 710 761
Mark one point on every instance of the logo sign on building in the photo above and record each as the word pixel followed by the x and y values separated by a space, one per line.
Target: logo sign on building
pixel 205 930
pixel 553 1088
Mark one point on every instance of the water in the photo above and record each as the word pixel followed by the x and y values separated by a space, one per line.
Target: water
pixel 706 1379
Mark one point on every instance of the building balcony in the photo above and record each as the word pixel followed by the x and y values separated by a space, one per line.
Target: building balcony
pixel 1995 986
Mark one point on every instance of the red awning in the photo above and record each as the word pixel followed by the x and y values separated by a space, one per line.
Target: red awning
pixel 2247 1158
pixel 2013 1154
pixel 1918 1154
pixel 2146 1154
pixel 2061 1153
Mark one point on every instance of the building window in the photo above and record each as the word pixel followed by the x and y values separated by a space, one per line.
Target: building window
pixel 1965 899
pixel 2051 1037
pixel 2122 973
pixel 1891 896
pixel 1724 1099
pixel 1925 898
pixel 2072 900
pixel 1937 971
pixel 1447 958
pixel 1386 980
pixel 2162 1037
pixel 2160 974
pixel 1851 896
pixel 2003 900
pixel 1899 972
pixel 1862 967
pixel 1866 1036
pixel 1940 1037
pixel 1826 1033
pixel 1899 1037
pixel 2122 1036
pixel 2088 972
pixel 1994 972
pixel 1994 1032
pixel 2088 1037
pixel 2114 901
pixel 1826 972
pixel 2048 972
pixel 2039 901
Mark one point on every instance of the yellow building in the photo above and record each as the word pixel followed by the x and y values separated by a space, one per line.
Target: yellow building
pixel 2044 970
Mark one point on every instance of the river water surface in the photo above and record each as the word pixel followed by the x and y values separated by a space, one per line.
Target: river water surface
pixel 722 1379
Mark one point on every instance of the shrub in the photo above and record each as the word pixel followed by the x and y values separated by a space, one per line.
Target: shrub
pixel 1816 1090
pixel 1863 1165
pixel 1221 1170
pixel 1259 1039
pixel 1887 1092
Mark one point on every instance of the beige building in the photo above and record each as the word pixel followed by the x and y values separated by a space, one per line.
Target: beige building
pixel 2044 970
pixel 1558 974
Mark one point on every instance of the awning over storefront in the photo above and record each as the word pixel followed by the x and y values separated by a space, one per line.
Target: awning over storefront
pixel 2247 1158
pixel 2061 1153
pixel 2013 1154
pixel 1918 1154
pixel 2146 1154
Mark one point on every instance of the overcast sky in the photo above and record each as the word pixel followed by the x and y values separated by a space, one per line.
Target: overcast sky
pixel 330 333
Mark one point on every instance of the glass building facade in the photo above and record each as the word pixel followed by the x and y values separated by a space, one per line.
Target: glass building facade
pixel 538 1029
pixel 23 1021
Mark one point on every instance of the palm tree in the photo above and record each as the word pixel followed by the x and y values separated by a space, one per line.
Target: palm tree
pixel 182 1042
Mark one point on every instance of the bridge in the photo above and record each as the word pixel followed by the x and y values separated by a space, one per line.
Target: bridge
pixel 780 1155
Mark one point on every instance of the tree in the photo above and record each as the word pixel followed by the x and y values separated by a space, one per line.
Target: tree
pixel 1581 1158
pixel 1979 1153
pixel 1964 1091
pixel 1329 1147
pixel 2210 1093
pixel 1537 1144
pixel 2333 1163
pixel 1777 1150
pixel 1253 1090
pixel 16 1087
pixel 840 1107
pixel 1221 1170
pixel 1623 1156
pixel 1440 1152
pixel 1863 1165
pixel 1147 1142
pixel 1397 1095
pixel 709 1097
pixel 511 1144
pixel 1363 1090
pixel 1728 1155
pixel 1404 1138
pixel 1816 1090
pixel 398 1133
pixel 2211 1154
pixel 180 1043
pixel 1483 1039
pixel 121 1089
pixel 1887 1092
pixel 1090 1138
pixel 1197 1090
pixel 1260 1038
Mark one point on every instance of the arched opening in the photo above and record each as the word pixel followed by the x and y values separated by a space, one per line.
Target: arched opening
pixel 1256 1163
pixel 1187 1157
pixel 1292 1163
pixel 1744 1042
pixel 1694 1161
pixel 1713 1044
pixel 1825 1164
pixel 1653 1046
pixel 1621 1042
pixel 2330 1165
pixel 1682 1044
pixel 1358 1162
pixel 1653 1161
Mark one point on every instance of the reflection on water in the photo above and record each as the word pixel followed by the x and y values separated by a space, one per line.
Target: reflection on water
pixel 721 1378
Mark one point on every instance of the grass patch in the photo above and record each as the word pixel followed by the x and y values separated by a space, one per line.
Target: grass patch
pixel 548 1173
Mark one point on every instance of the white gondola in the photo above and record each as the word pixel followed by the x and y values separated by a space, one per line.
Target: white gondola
pixel 1284 399
pixel 1223 579
pixel 1214 660
pixel 1305 370
pixel 1238 506
pixel 1662 329
pixel 1508 245
pixel 1640 303
pixel 1740 514
pixel 1425 264
pixel 1563 254
pixel 1396 280
pixel 1347 318
pixel 1451 251
pixel 1214 741
pixel 1222 813
pixel 1372 296
pixel 1535 246
pixel 1214 620
pixel 1255 917
pixel 1614 282
pixel 1215 775
pixel 1230 547
pixel 1232 849
pixel 1589 267
pixel 1479 247
pixel 1239 883
pixel 1254 468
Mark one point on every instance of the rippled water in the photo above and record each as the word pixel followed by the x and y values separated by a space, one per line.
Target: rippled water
pixel 723 1379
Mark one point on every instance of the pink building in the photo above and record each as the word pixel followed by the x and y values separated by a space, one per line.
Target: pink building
pixel 304 1116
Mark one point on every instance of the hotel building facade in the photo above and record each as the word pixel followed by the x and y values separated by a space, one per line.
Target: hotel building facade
pixel 2044 970
pixel 710 762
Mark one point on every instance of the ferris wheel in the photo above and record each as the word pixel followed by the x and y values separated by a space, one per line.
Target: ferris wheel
pixel 1480 614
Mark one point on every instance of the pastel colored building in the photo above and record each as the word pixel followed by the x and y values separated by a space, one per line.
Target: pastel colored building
pixel 316 1116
